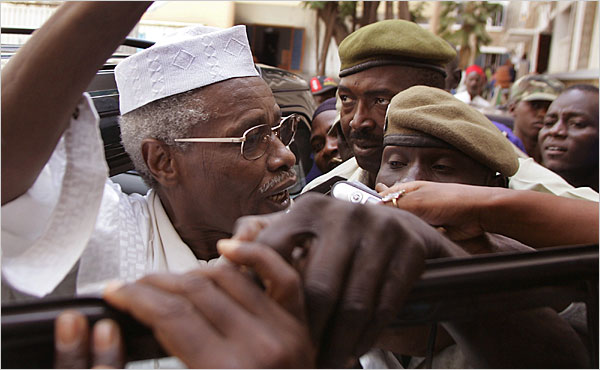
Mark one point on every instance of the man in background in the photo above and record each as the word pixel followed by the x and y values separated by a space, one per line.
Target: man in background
pixel 322 88
pixel 323 139
pixel 474 82
pixel 530 97
pixel 568 140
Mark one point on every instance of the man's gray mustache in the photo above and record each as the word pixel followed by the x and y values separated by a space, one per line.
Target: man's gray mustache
pixel 276 180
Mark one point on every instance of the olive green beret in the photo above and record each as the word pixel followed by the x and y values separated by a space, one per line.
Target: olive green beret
pixel 393 41
pixel 426 110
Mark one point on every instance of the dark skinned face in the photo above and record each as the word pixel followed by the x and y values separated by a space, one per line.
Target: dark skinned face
pixel 474 83
pixel 365 97
pixel 569 138
pixel 405 164
pixel 216 184
pixel 324 145
pixel 529 117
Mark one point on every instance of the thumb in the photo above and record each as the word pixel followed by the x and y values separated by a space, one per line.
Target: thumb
pixel 380 187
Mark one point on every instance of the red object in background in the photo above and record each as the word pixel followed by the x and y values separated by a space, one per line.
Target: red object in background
pixel 320 84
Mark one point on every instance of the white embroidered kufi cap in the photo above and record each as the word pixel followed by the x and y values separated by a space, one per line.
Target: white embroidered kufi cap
pixel 190 58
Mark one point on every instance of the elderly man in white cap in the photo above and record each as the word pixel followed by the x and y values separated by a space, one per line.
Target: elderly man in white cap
pixel 204 131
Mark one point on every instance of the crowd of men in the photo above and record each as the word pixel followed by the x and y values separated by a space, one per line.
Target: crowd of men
pixel 205 133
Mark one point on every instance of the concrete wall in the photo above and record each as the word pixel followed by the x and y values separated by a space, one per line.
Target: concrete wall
pixel 290 14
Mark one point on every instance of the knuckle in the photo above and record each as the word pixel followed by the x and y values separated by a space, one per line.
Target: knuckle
pixel 318 294
pixel 173 307
pixel 290 281
pixel 358 213
pixel 279 353
pixel 273 353
pixel 194 282
pixel 354 309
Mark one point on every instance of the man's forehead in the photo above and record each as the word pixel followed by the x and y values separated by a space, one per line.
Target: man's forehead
pixel 583 103
pixel 390 78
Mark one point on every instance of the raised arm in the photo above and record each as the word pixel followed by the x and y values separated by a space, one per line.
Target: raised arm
pixel 43 82
pixel 536 219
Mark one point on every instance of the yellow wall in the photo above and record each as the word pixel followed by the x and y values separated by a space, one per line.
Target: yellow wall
pixel 210 13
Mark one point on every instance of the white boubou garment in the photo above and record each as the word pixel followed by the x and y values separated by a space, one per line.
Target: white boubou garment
pixel 74 213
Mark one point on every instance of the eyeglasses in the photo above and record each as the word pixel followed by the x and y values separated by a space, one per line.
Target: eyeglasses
pixel 255 140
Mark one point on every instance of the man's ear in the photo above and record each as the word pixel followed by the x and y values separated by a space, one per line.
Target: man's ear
pixel 457 74
pixel 160 161
pixel 511 107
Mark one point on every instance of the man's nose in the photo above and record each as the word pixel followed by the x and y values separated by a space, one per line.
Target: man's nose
pixel 415 172
pixel 280 157
pixel 362 118
pixel 331 146
pixel 559 128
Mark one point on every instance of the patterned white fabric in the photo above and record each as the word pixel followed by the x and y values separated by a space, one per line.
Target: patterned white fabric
pixel 179 63
pixel 74 213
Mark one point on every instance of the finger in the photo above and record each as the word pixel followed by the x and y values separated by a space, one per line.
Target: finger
pixel 177 325
pixel 406 186
pixel 71 338
pixel 107 345
pixel 358 302
pixel 247 228
pixel 380 187
pixel 245 293
pixel 282 282
pixel 328 265
pixel 223 295
pixel 406 266
pixel 291 230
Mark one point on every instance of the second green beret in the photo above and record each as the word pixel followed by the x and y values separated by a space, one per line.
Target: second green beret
pixel 435 112
pixel 393 41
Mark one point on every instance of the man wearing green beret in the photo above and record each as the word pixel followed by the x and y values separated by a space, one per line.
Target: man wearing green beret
pixel 430 135
pixel 377 62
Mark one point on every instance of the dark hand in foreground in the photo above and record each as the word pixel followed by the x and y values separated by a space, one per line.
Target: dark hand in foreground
pixel 218 317
pixel 358 264
pixel 215 317
pixel 75 349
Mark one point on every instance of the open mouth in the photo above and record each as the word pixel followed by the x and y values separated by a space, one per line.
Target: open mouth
pixel 282 198
pixel 279 197
pixel 556 148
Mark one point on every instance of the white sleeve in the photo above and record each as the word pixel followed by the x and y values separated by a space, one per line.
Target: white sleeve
pixel 42 238
pixel 533 176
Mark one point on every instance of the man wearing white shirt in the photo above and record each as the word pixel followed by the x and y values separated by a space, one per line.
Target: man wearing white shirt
pixel 474 81
pixel 201 126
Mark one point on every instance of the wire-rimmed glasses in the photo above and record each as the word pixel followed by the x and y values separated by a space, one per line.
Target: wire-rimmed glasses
pixel 255 140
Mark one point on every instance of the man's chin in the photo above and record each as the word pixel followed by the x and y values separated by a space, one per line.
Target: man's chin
pixel 370 163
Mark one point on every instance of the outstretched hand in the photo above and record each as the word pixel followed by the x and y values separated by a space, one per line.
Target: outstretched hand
pixel 454 207
pixel 217 317
pixel 358 264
